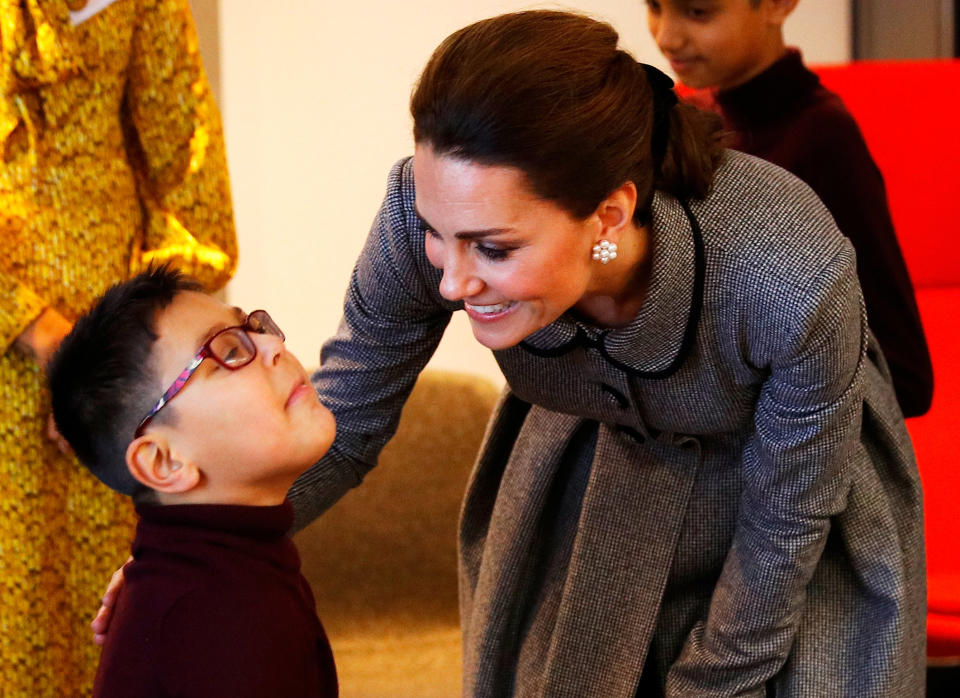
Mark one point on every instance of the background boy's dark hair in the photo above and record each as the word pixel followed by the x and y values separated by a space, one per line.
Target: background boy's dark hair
pixel 101 378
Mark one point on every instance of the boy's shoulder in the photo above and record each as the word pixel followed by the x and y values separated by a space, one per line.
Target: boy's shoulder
pixel 824 118
pixel 785 115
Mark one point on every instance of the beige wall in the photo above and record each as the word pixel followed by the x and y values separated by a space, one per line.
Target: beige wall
pixel 206 19
pixel 314 96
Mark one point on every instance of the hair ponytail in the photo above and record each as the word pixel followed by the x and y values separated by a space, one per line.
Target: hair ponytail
pixel 694 148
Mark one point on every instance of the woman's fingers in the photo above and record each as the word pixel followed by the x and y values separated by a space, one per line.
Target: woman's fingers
pixel 54 435
pixel 101 623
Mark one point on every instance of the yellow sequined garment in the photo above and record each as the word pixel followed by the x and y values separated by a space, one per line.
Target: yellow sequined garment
pixel 112 157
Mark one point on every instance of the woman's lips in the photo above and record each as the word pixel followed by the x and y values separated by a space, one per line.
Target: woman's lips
pixel 487 313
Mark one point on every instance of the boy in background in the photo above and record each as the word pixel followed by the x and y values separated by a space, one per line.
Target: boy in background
pixel 734 51
pixel 214 603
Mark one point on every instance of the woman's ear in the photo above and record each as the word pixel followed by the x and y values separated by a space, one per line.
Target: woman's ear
pixel 152 463
pixel 615 212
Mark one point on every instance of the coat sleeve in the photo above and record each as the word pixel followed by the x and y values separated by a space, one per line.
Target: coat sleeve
pixel 392 322
pixel 176 146
pixel 839 168
pixel 806 429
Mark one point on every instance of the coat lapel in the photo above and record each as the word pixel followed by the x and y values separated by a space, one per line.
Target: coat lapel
pixel 622 554
pixel 495 547
pixel 621 560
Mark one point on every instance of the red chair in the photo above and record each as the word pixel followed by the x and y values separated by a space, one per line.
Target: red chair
pixel 907 111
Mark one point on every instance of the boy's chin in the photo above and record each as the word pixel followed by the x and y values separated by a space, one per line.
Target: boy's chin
pixel 315 453
pixel 692 82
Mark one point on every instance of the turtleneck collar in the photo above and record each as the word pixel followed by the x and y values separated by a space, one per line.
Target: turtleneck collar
pixel 777 91
pixel 263 523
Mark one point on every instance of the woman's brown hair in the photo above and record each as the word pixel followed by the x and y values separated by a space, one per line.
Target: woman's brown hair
pixel 550 93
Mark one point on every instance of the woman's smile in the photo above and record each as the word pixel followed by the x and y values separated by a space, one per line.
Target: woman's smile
pixel 487 313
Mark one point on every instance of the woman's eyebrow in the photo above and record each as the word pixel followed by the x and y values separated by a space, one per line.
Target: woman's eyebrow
pixel 465 234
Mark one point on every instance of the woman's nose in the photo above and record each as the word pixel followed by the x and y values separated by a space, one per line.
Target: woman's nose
pixel 459 280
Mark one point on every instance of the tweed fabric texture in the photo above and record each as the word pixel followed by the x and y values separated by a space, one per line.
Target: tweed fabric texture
pixel 112 157
pixel 786 116
pixel 752 514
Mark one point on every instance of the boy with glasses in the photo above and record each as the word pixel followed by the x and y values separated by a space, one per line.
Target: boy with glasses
pixel 197 411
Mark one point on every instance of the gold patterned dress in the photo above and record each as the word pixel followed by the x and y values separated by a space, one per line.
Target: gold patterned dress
pixel 112 158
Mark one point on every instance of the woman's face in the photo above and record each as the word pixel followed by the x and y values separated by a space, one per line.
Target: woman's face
pixel 516 261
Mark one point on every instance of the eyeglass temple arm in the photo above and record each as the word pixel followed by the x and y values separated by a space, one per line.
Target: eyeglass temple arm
pixel 176 387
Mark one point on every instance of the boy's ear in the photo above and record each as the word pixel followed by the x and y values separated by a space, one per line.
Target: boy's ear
pixel 616 211
pixel 779 10
pixel 152 463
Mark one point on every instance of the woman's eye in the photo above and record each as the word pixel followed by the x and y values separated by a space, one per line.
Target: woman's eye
pixel 494 253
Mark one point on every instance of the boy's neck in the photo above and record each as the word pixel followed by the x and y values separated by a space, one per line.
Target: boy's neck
pixel 259 496
pixel 770 55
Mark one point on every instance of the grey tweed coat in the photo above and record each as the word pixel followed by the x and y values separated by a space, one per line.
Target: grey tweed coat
pixel 719 499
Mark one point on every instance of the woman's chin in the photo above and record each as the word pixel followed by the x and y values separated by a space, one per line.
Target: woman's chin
pixel 494 341
pixel 495 345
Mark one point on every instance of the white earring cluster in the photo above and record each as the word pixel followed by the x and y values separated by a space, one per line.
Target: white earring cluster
pixel 604 251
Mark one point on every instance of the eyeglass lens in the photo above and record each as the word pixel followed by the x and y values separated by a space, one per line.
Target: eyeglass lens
pixel 233 348
pixel 259 321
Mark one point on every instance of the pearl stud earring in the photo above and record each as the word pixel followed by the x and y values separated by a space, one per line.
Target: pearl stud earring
pixel 605 251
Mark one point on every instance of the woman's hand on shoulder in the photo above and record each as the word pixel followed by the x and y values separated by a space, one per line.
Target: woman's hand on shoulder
pixel 101 623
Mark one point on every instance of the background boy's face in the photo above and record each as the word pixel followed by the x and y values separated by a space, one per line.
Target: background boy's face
pixel 250 431
pixel 716 43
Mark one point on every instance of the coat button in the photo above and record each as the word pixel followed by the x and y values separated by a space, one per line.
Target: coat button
pixel 76 5
pixel 620 398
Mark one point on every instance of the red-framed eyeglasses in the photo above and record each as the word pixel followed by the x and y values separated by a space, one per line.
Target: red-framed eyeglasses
pixel 231 347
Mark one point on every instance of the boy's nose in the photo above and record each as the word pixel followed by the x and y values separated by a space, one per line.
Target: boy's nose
pixel 270 347
pixel 666 33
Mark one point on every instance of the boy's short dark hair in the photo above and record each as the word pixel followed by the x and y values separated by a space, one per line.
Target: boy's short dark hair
pixel 101 378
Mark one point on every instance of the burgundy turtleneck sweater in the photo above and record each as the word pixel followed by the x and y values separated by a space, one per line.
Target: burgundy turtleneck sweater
pixel 785 116
pixel 214 605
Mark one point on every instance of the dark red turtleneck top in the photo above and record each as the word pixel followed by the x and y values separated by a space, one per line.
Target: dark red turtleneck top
pixel 214 605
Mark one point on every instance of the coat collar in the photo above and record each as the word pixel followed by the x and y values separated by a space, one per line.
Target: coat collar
pixel 656 342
